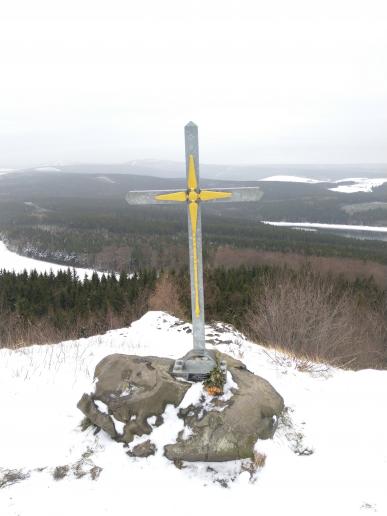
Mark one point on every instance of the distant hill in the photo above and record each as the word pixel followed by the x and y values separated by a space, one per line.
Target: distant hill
pixel 174 169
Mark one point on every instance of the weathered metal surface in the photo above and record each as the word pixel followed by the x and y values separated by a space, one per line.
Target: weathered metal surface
pixel 249 194
pixel 147 197
pixel 195 236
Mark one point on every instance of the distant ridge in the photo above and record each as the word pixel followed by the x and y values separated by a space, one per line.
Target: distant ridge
pixel 175 169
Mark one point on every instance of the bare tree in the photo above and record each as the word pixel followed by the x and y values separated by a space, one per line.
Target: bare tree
pixel 166 297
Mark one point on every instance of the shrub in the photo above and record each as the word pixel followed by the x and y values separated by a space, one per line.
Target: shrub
pixel 310 318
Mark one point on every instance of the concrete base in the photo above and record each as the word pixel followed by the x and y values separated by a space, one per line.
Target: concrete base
pixel 196 365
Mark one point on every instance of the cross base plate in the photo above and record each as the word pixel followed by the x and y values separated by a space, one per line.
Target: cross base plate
pixel 196 365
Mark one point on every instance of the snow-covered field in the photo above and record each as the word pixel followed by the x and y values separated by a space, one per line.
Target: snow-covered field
pixel 317 225
pixel 358 184
pixel 11 261
pixel 291 179
pixel 329 455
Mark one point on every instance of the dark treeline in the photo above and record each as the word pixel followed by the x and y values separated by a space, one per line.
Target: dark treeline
pixel 313 317
pixel 36 308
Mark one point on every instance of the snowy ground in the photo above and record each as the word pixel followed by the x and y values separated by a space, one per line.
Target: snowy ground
pixel 11 261
pixel 329 455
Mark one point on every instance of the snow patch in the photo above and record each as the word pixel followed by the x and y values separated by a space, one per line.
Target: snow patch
pixel 102 407
pixel 197 396
pixel 348 227
pixel 360 184
pixel 292 179
pixel 118 425
pixel 47 169
pixel 105 179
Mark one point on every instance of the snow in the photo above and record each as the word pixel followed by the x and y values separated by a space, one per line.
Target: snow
pixel 317 225
pixel 119 425
pixel 292 179
pixel 102 407
pixel 105 179
pixel 360 184
pixel 197 396
pixel 4 171
pixel 328 456
pixel 47 169
pixel 11 261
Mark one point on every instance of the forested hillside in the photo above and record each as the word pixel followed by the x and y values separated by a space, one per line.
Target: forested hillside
pixel 312 316
pixel 38 308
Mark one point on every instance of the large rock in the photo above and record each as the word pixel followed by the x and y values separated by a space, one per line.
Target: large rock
pixel 135 389
pixel 230 431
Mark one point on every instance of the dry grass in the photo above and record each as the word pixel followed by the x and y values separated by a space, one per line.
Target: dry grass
pixel 253 465
pixel 259 459
pixel 306 318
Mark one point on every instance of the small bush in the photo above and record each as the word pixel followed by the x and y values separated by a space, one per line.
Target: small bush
pixel 257 462
pixel 166 296
pixel 60 472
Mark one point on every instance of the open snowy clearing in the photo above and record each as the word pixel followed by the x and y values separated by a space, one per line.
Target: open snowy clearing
pixel 329 455
pixel 11 261
pixel 359 184
pixel 292 179
pixel 47 169
pixel 317 225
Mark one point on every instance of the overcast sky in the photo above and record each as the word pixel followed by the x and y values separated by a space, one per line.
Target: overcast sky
pixel 267 81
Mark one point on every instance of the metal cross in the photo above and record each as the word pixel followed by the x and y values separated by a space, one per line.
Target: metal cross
pixel 198 363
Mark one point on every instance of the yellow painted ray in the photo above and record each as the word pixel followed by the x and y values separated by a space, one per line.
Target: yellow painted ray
pixel 174 196
pixel 208 195
pixel 193 212
pixel 192 180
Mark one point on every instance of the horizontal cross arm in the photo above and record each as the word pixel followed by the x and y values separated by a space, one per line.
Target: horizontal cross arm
pixel 154 197
pixel 247 194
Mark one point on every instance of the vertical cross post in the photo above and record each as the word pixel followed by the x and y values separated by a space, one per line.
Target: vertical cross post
pixel 195 239
pixel 197 363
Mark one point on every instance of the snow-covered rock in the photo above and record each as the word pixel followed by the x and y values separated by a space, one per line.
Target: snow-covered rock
pixel 133 390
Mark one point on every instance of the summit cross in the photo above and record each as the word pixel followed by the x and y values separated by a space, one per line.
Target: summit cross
pixel 197 363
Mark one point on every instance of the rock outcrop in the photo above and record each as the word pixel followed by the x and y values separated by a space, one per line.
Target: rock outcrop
pixel 230 431
pixel 133 389
pixel 132 392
